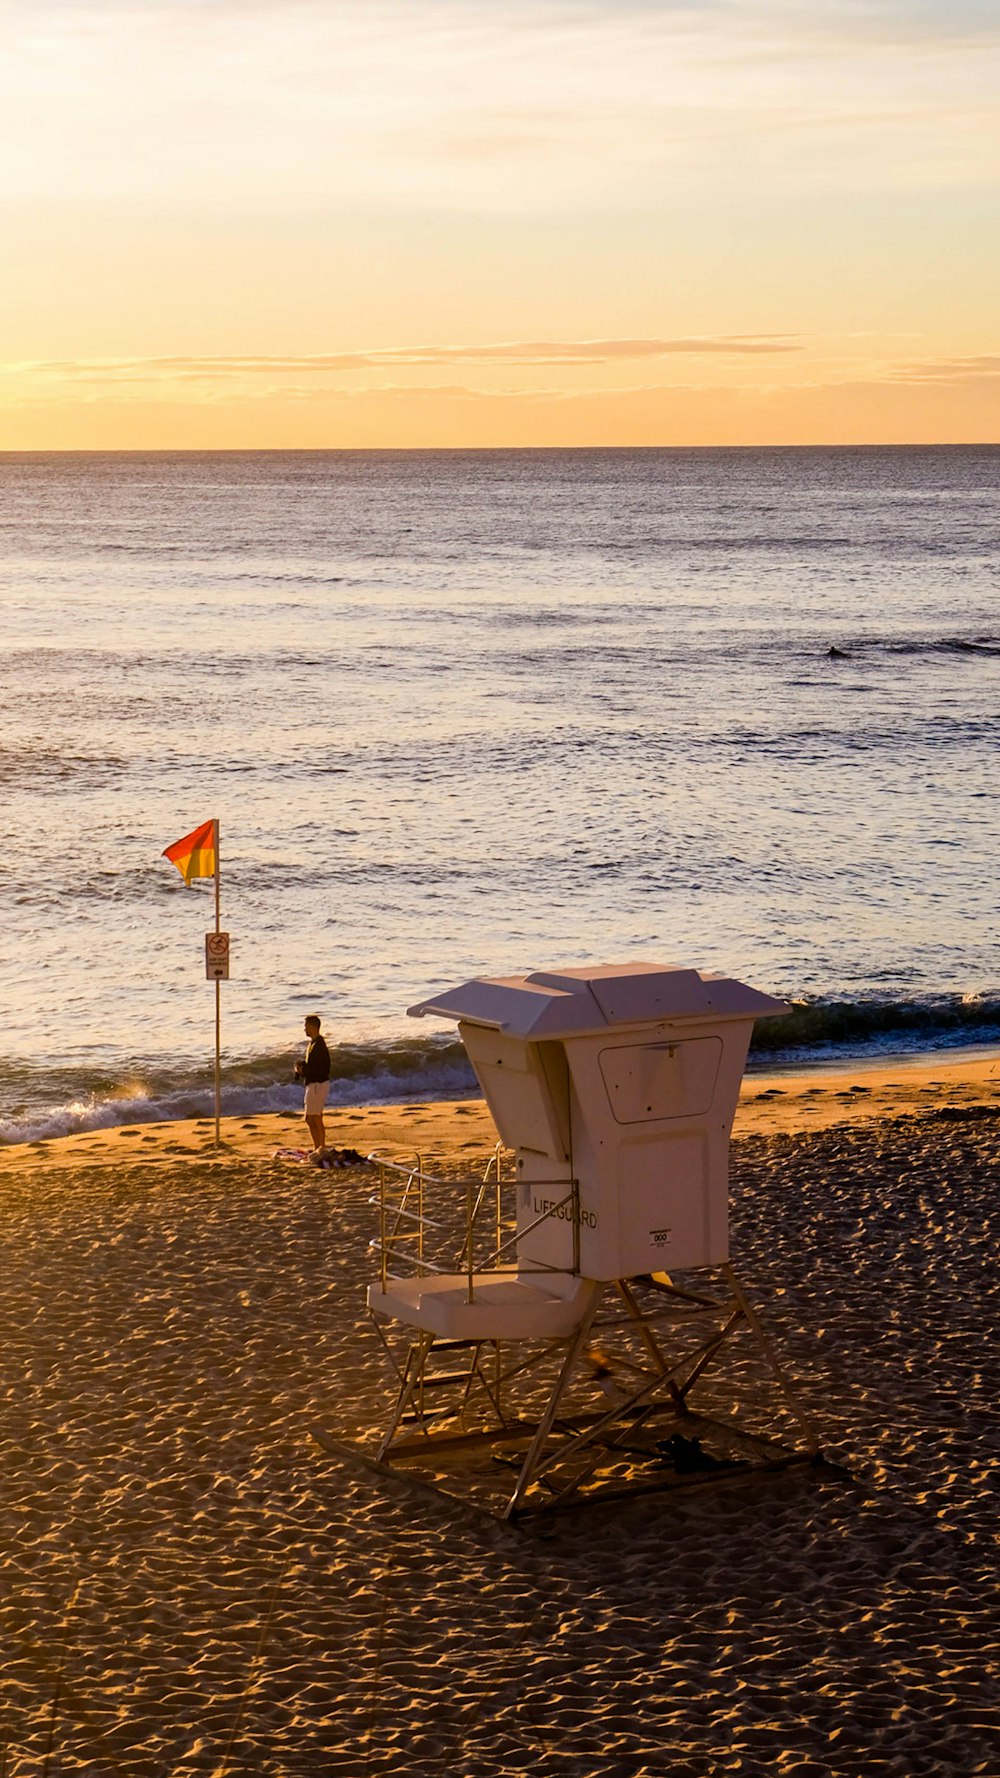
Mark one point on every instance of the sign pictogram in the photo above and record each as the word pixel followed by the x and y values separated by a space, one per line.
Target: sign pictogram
pixel 217 956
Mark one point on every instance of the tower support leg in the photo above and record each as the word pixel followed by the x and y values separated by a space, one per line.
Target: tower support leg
pixel 413 1374
pixel 537 1445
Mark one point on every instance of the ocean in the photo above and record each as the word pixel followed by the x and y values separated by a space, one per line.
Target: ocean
pixel 485 712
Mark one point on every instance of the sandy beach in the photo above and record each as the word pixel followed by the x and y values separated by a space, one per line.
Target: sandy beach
pixel 192 1585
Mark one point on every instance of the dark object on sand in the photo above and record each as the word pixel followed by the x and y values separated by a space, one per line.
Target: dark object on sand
pixel 960 1114
pixel 688 1458
pixel 330 1157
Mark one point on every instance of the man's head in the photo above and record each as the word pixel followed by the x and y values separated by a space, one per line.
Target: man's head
pixel 311 1023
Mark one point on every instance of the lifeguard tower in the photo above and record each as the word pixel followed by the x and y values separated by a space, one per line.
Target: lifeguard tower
pixel 562 1301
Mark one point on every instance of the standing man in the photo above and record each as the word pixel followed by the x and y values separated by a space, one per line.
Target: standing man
pixel 314 1072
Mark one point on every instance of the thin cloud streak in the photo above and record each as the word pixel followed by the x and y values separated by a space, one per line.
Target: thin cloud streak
pixel 186 381
pixel 891 21
pixel 529 353
pixel 456 105
pixel 950 370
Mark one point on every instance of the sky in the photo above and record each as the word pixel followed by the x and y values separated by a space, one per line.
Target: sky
pixel 398 223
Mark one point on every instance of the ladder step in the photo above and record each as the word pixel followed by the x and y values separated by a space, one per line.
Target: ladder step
pixel 444 1377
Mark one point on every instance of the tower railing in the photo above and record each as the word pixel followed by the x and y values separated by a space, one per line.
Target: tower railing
pixel 414 1242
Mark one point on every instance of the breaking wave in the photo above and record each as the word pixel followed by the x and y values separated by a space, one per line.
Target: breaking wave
pixel 363 1074
pixel 37 1104
pixel 817 1030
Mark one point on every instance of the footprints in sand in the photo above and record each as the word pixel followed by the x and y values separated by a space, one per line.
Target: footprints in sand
pixel 232 1578
pixel 811 1092
pixel 798 1105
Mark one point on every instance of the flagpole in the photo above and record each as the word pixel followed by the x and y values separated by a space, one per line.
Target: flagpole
pixel 218 994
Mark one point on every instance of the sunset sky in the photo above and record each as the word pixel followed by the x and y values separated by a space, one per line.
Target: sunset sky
pixel 249 223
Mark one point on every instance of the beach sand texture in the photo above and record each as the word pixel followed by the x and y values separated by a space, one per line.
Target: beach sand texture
pixel 192 1586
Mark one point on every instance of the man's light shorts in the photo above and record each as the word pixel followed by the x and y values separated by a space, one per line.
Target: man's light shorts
pixel 316 1093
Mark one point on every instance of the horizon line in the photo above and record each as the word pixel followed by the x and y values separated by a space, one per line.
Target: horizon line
pixel 479 449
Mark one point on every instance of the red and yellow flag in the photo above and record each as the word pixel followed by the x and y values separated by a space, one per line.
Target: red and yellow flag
pixel 194 855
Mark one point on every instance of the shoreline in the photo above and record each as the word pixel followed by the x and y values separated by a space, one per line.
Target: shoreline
pixel 781 1102
pixel 76 1111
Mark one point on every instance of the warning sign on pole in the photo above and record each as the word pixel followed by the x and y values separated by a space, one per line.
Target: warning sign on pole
pixel 217 956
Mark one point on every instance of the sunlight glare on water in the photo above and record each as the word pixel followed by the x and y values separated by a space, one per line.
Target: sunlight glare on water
pixel 484 712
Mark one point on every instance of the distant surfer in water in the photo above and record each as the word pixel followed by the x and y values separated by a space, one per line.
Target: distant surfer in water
pixel 314 1072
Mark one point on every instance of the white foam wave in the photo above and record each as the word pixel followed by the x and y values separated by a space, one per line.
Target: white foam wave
pixel 380 1088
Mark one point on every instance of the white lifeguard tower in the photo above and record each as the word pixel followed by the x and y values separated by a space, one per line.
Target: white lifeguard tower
pixel 616 1088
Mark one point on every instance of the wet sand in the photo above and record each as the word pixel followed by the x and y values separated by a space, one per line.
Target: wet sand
pixel 191 1585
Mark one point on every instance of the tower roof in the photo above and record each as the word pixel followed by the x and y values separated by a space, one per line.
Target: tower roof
pixel 564 1002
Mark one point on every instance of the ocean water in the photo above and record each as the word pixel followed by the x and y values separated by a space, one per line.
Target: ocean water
pixel 463 713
